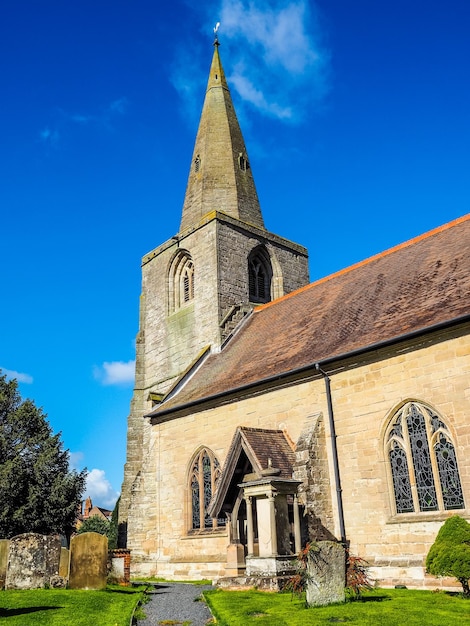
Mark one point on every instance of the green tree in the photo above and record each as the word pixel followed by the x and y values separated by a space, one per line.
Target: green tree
pixel 38 490
pixel 449 555
pixel 113 527
pixel 94 524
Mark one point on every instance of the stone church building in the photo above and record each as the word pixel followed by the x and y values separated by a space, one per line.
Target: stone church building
pixel 268 411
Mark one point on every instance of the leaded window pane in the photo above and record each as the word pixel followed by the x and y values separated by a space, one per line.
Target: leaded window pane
pixel 449 474
pixel 207 485
pixel 204 476
pixel 421 460
pixel 401 480
pixel 195 501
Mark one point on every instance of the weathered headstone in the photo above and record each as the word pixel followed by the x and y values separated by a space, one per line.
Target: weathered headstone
pixel 64 563
pixel 4 547
pixel 88 561
pixel 326 570
pixel 33 561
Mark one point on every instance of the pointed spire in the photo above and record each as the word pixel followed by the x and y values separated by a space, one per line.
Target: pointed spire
pixel 220 177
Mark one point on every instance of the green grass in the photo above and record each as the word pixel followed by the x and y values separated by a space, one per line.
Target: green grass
pixel 65 607
pixel 382 607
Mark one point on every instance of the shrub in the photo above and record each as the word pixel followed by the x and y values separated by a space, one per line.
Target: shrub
pixel 94 524
pixel 449 555
pixel 357 576
pixel 297 583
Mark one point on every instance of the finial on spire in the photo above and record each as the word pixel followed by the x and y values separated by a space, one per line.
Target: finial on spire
pixel 216 39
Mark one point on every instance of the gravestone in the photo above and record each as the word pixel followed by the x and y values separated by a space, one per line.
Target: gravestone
pixel 4 547
pixel 64 563
pixel 33 561
pixel 88 561
pixel 326 570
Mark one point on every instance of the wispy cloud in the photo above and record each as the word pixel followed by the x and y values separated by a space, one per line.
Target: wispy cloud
pixel 21 377
pixel 115 372
pixel 76 459
pixel 64 121
pixel 100 489
pixel 49 136
pixel 119 106
pixel 279 64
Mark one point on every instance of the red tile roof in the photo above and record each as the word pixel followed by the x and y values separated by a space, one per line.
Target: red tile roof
pixel 412 287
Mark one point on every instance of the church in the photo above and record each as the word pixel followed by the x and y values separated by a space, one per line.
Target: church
pixel 269 411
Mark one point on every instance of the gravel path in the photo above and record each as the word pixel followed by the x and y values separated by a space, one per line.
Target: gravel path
pixel 177 602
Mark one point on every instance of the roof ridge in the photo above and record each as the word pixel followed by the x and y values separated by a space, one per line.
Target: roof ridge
pixel 400 246
pixel 261 430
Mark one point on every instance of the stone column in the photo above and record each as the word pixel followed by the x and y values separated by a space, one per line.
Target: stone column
pixel 297 537
pixel 249 524
pixel 272 517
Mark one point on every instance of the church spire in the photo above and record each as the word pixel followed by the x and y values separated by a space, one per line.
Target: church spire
pixel 220 177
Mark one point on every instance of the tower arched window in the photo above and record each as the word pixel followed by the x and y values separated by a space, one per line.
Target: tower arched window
pixel 259 275
pixel 203 476
pixel 181 281
pixel 422 461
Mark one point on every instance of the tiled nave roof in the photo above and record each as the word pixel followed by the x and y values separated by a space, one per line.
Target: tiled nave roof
pixel 412 287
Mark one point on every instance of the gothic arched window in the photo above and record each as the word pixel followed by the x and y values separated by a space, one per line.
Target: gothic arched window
pixel 259 276
pixel 422 461
pixel 204 473
pixel 181 280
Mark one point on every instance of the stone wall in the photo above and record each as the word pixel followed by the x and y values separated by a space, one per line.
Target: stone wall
pixel 364 394
pixel 169 340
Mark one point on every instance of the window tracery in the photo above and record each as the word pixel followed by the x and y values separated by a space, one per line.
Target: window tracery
pixel 181 281
pixel 204 474
pixel 422 461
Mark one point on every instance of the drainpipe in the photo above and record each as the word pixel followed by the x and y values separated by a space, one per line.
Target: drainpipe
pixel 334 449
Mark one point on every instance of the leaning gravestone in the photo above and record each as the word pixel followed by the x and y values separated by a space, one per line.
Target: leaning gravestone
pixel 33 561
pixel 88 561
pixel 326 570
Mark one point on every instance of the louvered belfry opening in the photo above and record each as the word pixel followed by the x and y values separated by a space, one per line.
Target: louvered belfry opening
pixel 259 276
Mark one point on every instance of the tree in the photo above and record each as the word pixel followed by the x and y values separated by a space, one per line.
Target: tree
pixel 113 527
pixel 94 524
pixel 38 491
pixel 449 555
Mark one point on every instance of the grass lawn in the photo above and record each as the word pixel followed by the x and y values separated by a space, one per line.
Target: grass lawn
pixel 382 607
pixel 67 607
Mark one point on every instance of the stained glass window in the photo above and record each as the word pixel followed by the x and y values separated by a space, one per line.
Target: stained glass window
pixel 423 462
pixel 202 483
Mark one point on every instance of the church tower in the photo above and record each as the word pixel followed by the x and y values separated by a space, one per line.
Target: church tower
pixel 198 286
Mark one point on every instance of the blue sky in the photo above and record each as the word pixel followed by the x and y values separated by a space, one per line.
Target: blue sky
pixel 356 119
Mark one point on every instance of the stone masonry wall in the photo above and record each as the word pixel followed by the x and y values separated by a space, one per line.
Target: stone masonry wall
pixel 364 398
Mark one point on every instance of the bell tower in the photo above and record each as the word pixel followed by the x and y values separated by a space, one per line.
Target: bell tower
pixel 198 286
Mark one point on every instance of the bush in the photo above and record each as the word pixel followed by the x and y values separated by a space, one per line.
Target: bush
pixel 450 553
pixel 94 524
pixel 357 576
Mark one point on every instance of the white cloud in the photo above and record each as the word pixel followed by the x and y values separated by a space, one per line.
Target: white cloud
pixel 277 30
pixel 273 54
pixel 20 376
pixel 277 47
pixel 115 372
pixel 100 489
pixel 76 459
